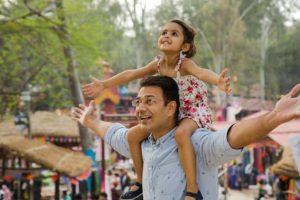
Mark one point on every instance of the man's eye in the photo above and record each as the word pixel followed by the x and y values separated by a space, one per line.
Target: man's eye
pixel 136 102
pixel 149 101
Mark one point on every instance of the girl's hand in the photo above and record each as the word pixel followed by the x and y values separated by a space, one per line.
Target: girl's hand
pixel 94 88
pixel 224 81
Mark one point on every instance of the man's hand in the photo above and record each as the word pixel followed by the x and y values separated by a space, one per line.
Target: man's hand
pixel 94 88
pixel 288 107
pixel 85 115
pixel 224 81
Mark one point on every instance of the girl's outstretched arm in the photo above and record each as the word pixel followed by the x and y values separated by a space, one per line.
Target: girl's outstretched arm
pixel 189 67
pixel 96 86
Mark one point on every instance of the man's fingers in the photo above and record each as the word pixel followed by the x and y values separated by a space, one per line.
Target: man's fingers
pixel 82 106
pixel 294 91
pixel 92 104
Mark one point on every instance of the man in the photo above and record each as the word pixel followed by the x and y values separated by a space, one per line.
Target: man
pixel 157 109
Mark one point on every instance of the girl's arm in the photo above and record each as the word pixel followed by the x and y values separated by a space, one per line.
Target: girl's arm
pixel 131 74
pixel 189 67
pixel 96 86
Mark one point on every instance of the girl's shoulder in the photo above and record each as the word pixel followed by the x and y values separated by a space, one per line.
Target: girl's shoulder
pixel 187 63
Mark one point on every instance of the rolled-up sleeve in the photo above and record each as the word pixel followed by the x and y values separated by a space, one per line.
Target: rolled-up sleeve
pixel 213 147
pixel 116 137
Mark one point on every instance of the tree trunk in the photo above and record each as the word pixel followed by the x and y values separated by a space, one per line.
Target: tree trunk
pixel 77 97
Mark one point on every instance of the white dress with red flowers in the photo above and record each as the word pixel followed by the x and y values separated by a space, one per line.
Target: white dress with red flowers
pixel 193 98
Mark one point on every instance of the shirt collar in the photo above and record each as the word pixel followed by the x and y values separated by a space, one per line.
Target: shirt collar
pixel 162 139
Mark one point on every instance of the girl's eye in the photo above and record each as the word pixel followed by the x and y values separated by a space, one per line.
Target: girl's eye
pixel 164 33
pixel 174 34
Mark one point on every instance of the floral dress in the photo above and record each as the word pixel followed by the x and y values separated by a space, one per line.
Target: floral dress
pixel 193 98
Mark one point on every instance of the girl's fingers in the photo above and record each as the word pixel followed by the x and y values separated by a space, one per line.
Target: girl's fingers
pixel 93 79
pixel 224 72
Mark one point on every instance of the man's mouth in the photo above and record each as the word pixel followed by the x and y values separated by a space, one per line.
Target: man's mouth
pixel 143 118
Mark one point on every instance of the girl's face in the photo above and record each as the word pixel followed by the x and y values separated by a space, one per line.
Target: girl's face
pixel 171 38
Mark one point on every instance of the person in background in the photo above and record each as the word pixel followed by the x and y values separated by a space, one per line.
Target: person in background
pixel 103 196
pixel 66 196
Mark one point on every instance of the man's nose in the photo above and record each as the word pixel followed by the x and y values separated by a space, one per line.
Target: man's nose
pixel 141 107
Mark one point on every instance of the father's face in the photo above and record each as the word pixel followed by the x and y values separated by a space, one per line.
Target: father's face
pixel 151 110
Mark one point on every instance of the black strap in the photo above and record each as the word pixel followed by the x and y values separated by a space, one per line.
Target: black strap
pixel 197 196
pixel 191 194
pixel 138 184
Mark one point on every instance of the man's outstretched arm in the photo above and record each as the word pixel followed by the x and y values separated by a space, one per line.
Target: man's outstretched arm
pixel 249 131
pixel 86 116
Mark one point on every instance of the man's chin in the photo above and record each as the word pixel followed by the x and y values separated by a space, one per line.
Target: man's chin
pixel 145 126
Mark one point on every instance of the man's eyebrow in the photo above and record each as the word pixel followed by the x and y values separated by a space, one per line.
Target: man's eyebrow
pixel 147 96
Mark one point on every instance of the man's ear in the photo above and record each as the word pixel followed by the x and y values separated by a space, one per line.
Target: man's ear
pixel 172 108
pixel 186 47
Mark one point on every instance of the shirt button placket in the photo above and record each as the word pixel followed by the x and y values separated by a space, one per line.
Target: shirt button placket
pixel 151 171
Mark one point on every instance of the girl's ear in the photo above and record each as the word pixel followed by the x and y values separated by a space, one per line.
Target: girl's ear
pixel 185 47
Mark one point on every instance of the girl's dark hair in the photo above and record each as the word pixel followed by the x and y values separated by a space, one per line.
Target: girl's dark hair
pixel 189 36
pixel 169 89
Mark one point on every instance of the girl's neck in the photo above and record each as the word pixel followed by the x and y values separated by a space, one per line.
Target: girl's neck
pixel 171 60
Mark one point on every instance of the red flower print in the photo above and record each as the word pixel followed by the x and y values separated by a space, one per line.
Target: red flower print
pixel 190 89
pixel 199 97
pixel 192 82
pixel 187 102
pixel 193 110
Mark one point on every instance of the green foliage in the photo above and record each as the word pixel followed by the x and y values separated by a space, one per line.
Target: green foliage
pixel 229 35
pixel 282 68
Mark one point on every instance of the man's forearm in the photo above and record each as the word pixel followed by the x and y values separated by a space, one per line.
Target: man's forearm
pixel 248 131
pixel 99 127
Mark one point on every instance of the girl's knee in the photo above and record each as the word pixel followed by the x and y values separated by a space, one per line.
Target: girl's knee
pixel 132 139
pixel 136 135
pixel 182 137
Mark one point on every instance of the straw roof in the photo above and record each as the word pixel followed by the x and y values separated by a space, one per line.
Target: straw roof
pixel 52 157
pixel 286 166
pixel 46 124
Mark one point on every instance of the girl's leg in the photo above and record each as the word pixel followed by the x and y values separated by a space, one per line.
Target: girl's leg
pixel 135 136
pixel 186 153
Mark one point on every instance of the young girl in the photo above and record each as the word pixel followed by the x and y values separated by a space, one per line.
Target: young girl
pixel 176 42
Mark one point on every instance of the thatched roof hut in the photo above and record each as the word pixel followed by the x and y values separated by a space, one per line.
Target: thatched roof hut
pixel 44 123
pixel 47 155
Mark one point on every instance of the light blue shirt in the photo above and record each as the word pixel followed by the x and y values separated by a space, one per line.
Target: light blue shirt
pixel 163 176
